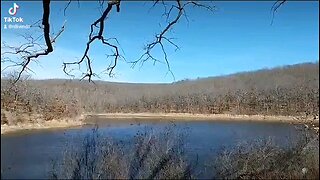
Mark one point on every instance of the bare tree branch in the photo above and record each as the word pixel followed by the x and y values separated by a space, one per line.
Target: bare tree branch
pixel 98 23
pixel 31 50
pixel 65 9
pixel 26 53
pixel 160 38
pixel 177 10
pixel 275 7
pixel 68 4
pixel 46 32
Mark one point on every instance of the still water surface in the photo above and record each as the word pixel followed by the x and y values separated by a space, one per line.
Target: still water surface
pixel 29 154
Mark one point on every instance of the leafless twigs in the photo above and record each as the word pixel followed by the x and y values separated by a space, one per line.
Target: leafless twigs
pixel 32 49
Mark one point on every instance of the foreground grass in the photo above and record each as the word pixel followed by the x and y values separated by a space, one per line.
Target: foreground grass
pixel 262 159
pixel 162 155
pixel 146 158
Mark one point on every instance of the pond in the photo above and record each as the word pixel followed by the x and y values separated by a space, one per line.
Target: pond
pixel 30 153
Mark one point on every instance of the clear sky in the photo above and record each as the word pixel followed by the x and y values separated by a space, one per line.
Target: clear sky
pixel 237 37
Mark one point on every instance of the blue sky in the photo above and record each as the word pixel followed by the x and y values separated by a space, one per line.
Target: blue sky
pixel 236 37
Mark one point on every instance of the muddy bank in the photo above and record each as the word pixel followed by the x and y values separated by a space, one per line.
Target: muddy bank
pixel 187 116
pixel 61 123
pixel 89 118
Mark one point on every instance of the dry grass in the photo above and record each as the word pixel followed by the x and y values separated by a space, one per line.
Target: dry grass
pixel 151 156
pixel 189 116
pixel 162 156
pixel 263 159
pixel 38 123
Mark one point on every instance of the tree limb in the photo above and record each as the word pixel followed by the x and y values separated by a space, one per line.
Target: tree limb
pixel 275 7
pixel 160 38
pixel 27 54
pixel 98 23
pixel 46 33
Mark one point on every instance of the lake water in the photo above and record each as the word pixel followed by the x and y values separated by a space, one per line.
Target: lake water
pixel 29 154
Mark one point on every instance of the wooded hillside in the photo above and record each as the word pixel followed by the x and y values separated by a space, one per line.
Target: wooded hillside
pixel 288 90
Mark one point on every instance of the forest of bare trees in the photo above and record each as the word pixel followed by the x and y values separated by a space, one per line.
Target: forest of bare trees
pixel 289 90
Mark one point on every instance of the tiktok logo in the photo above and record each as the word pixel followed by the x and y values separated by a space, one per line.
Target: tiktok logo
pixel 14 22
pixel 13 10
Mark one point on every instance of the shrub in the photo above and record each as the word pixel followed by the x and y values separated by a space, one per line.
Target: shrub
pixel 162 155
pixel 151 156
pixel 262 159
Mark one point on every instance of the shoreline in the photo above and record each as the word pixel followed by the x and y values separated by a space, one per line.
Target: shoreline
pixel 52 124
pixel 204 117
pixel 189 116
pixel 85 119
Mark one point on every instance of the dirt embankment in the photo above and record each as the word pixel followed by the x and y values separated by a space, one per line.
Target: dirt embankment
pixel 42 124
pixel 188 116
pixel 85 118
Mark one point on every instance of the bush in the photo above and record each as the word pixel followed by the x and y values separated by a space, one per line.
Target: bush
pixel 151 156
pixel 162 155
pixel 22 100
pixel 262 159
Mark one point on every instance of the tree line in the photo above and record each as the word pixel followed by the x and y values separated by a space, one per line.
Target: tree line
pixel 289 90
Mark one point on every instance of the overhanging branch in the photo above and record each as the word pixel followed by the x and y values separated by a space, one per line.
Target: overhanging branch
pixel 28 55
pixel 160 38
pixel 98 23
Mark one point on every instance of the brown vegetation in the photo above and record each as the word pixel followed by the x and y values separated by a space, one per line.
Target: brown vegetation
pixel 162 156
pixel 263 159
pixel 151 156
pixel 22 102
pixel 290 90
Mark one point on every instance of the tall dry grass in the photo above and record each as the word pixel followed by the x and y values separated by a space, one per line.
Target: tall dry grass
pixel 152 155
pixel 264 159
pixel 162 155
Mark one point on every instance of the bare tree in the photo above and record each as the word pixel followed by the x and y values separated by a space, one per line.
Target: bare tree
pixel 173 12
pixel 175 6
pixel 25 50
